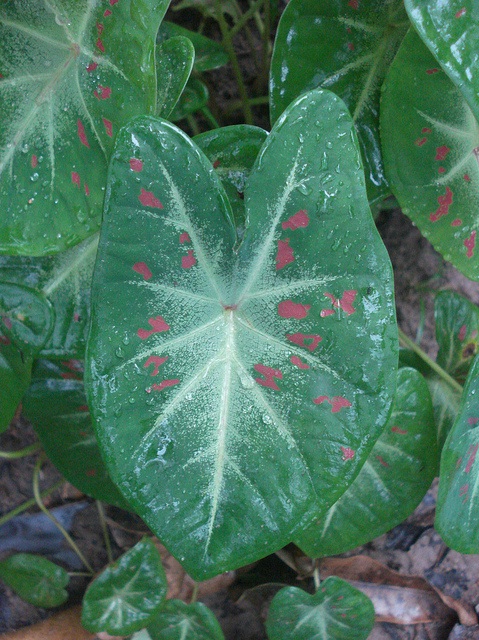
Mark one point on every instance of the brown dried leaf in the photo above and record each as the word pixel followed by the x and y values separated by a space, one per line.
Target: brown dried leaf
pixel 65 625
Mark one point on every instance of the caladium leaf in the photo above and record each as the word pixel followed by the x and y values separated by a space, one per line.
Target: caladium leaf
pixel 213 375
pixel 346 47
pixel 337 611
pixel 194 97
pixel 209 54
pixel 430 141
pixel 457 514
pixel 174 62
pixel 15 373
pixel 451 31
pixel 55 403
pixel 35 579
pixel 393 480
pixel 445 401
pixel 180 621
pixel 69 79
pixel 233 151
pixel 127 594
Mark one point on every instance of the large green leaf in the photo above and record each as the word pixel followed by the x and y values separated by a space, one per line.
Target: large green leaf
pixel 209 54
pixel 179 621
pixel 127 594
pixel 71 73
pixel 15 373
pixel 337 611
pixel 235 392
pixel 430 141
pixel 457 513
pixel 35 579
pixel 451 31
pixel 393 480
pixel 345 46
pixel 174 62
pixel 56 405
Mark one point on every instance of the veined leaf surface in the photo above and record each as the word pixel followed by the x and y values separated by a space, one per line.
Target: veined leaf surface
pixel 236 391
pixel 430 141
pixel 72 72
pixel 209 54
pixel 345 46
pixel 177 620
pixel 15 373
pixel 174 62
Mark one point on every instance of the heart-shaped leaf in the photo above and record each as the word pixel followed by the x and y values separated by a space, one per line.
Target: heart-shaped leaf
pixel 15 373
pixel 337 611
pixel 180 621
pixel 233 151
pixel 127 594
pixel 430 141
pixel 35 579
pixel 194 97
pixel 451 31
pixel 209 54
pixel 393 480
pixel 55 404
pixel 174 62
pixel 344 46
pixel 239 389
pixel 70 77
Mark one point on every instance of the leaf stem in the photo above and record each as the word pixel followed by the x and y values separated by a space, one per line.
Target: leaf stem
pixel 194 594
pixel 104 528
pixel 316 577
pixel 29 503
pixel 21 453
pixel 247 15
pixel 210 117
pixel 410 344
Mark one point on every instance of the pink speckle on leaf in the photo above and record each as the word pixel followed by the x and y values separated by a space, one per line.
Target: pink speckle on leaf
pixel 345 303
pixel 461 12
pixel 7 322
pixel 441 170
pixel 100 45
pixel 163 385
pixel 34 161
pixel 76 317
pixel 420 141
pixel 299 220
pixel 426 130
pixel 470 243
pixel 82 134
pixel 290 309
pixel 430 72
pixel 299 363
pixel 87 189
pixel 337 402
pixel 189 260
pixel 350 46
pixel 147 199
pixel 308 340
pixel 402 432
pixel 472 421
pixel 441 152
pixel 463 491
pixel 156 361
pixel 382 462
pixel 76 178
pixel 102 93
pixel 467 177
pixel 354 4
pixel 284 255
pixel 184 237
pixel 462 332
pixel 456 222
pixel 136 164
pixel 216 164
pixel 99 28
pixel 91 473
pixel 108 127
pixel 107 13
pixel 445 202
pixel 157 324
pixel 92 66
pixel 143 270
pixel 326 312
pixel 348 453
pixel 112 2
pixel 269 374
pixel 472 457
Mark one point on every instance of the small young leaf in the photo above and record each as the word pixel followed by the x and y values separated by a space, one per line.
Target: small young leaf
pixel 209 54
pixel 56 405
pixel 337 611
pixel 15 373
pixel 127 594
pixel 392 482
pixel 194 97
pixel 457 516
pixel 174 62
pixel 288 344
pixel 35 579
pixel 179 621
pixel 345 47
pixel 430 141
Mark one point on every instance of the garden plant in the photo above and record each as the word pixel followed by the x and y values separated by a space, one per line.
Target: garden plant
pixel 202 330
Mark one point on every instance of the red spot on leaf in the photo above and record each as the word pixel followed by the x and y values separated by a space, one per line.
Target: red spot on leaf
pixel 345 303
pixel 189 260
pixel 308 340
pixel 112 2
pixel 402 432
pixel 156 361
pixel 426 130
pixel 445 202
pixel 472 457
pixel 472 421
pixel 91 473
pixel 100 45
pixel 382 461
pixel 431 71
pixel 441 152
pixel 136 164
pixel 470 243
pixel 350 46
pixel 34 161
pixel 269 375
pixel 92 66
pixel 348 453
pixel 7 322
pixel 184 237
pixel 462 332
pixel 4 340
pixel 216 164
pixel 441 170
pixel 354 4
pixel 108 127
pixel 82 134
pixel 285 254
pixel 163 385
pixel 337 402
pixel 299 363
pixel 456 222
pixel 298 220
pixel 76 317
pixel 87 189
pixel 102 93
pixel 107 13
pixel 326 312
pixel 463 491
pixel 147 199
pixel 142 269
pixel 290 309
pixel 76 178
pixel 420 141
pixel 83 407
pixel 461 12
pixel 467 177
pixel 158 325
